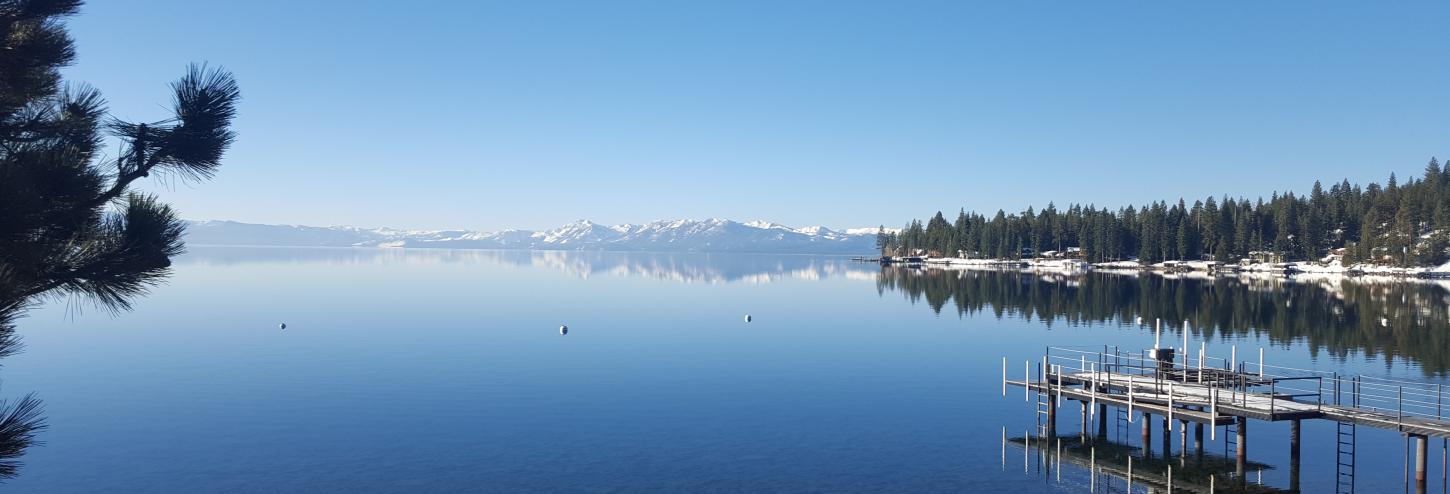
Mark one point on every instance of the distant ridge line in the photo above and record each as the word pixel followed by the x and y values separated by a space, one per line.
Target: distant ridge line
pixel 682 235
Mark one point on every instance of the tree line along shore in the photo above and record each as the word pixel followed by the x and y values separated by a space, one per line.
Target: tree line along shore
pixel 1395 228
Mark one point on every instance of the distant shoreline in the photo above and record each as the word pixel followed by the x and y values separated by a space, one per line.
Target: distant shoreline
pixel 1185 269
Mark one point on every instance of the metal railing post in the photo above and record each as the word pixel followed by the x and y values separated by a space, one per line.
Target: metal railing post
pixel 1336 389
pixel 1202 353
pixel 1026 380
pixel 1170 407
pixel 1243 391
pixel 1213 414
pixel 1272 385
pixel 1130 402
pixel 1354 392
pixel 1059 386
pixel 1400 401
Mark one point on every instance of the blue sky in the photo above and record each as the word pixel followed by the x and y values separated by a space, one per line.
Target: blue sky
pixel 489 115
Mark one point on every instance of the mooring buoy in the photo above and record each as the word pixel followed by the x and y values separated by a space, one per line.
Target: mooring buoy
pixel 282 326
pixel 563 329
pixel 747 318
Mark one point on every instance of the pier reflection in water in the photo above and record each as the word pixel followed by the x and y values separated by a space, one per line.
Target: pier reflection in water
pixel 1116 466
pixel 1339 316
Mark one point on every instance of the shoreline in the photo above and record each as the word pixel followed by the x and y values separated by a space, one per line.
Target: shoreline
pixel 1205 270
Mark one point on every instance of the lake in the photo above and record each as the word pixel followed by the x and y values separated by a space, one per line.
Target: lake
pixel 445 370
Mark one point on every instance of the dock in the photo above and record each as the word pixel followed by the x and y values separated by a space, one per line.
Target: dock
pixel 1174 386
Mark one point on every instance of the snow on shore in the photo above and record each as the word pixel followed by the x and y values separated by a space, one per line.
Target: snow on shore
pixel 1328 269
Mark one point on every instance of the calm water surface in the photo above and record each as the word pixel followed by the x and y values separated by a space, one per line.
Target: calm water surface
pixel 425 371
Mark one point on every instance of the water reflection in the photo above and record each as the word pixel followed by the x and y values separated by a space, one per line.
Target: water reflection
pixel 1343 317
pixel 1120 467
pixel 461 345
pixel 680 267
pixel 1389 319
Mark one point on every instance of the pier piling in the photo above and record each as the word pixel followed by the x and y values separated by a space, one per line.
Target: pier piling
pixel 1051 416
pixel 1422 456
pixel 1182 437
pixel 1085 421
pixel 1102 421
pixel 1241 454
pixel 1167 437
pixel 1294 455
pixel 1198 439
pixel 1147 434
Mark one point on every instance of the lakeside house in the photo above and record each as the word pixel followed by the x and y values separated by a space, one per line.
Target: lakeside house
pixel 1263 257
pixel 1068 253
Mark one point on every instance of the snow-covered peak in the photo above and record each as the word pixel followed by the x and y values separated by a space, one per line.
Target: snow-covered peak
pixel 765 225
pixel 578 232
pixel 815 230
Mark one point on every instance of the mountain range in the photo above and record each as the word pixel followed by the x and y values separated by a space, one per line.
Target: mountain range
pixel 712 235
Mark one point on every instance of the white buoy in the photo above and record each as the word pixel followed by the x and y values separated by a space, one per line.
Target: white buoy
pixel 282 326
pixel 563 329
pixel 747 318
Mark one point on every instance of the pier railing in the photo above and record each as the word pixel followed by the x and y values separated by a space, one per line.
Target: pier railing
pixel 1401 398
pixel 1243 383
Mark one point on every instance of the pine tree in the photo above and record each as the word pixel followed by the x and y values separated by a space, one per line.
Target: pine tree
pixel 71 223
pixel 962 228
pixel 1404 231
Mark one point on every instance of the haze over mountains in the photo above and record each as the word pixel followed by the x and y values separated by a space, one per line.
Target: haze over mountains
pixel 712 235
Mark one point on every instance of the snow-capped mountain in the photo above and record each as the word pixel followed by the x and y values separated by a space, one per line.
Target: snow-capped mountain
pixel 712 235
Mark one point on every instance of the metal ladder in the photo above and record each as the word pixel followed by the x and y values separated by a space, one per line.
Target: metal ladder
pixel 1120 425
pixel 1230 440
pixel 1344 458
pixel 1044 403
pixel 1344 439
